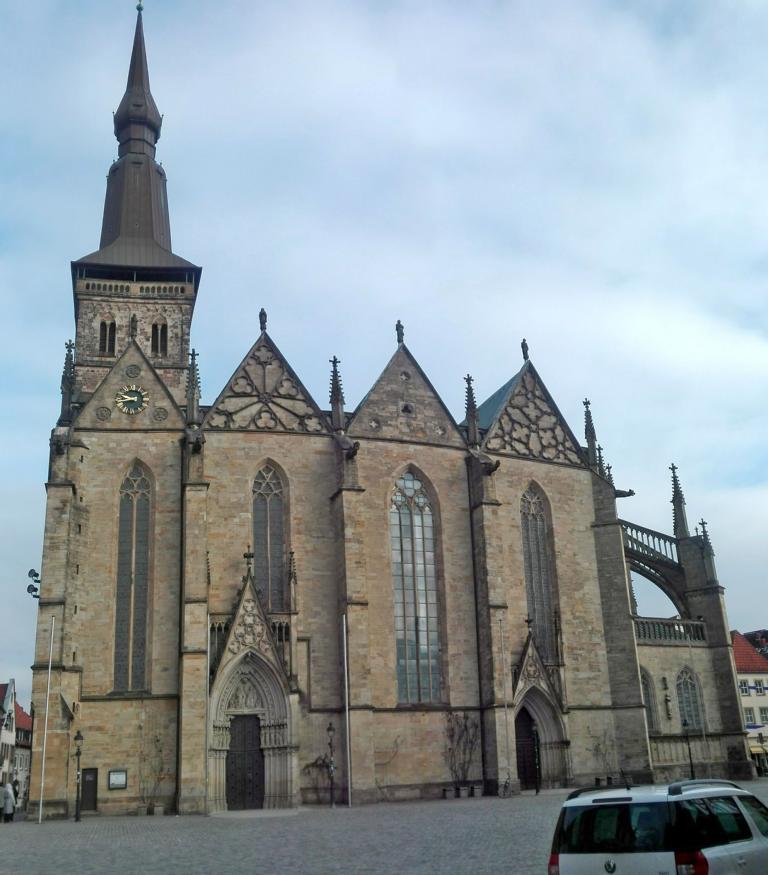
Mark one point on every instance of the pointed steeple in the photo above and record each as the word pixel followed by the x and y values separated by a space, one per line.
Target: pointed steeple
pixel 67 385
pixel 473 430
pixel 337 397
pixel 136 227
pixel 138 120
pixel 679 521
pixel 193 391
pixel 590 434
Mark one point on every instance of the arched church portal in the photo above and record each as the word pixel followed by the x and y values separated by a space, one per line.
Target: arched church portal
pixel 541 747
pixel 250 751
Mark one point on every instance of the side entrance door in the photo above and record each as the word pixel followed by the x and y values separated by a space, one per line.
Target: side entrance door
pixel 245 764
pixel 88 790
pixel 527 751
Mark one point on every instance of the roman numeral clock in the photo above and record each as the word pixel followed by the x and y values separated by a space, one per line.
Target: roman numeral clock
pixel 132 400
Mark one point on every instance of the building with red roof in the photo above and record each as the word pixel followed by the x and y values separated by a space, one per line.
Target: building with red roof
pixel 22 760
pixel 752 677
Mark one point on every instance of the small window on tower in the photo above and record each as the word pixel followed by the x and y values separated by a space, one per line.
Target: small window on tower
pixel 107 338
pixel 159 339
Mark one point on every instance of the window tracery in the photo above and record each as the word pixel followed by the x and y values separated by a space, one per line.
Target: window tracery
pixel 132 581
pixel 269 548
pixel 414 577
pixel 538 563
pixel 689 701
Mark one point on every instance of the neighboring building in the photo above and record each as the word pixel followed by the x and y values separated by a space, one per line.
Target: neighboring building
pixel 201 563
pixel 752 676
pixel 759 640
pixel 23 755
pixel 7 730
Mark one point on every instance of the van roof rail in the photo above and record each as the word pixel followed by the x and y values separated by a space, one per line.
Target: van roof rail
pixel 677 788
pixel 580 791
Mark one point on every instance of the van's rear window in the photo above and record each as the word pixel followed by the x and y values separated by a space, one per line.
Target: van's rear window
pixel 639 827
pixel 615 829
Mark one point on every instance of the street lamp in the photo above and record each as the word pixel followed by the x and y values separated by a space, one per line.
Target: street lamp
pixel 688 742
pixel 331 730
pixel 33 588
pixel 78 751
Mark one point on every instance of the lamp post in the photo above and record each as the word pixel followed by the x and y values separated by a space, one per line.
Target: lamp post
pixel 78 751
pixel 331 762
pixel 688 742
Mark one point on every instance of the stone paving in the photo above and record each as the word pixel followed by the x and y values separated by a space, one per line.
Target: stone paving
pixel 452 836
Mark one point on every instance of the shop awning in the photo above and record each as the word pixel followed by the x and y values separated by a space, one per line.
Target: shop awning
pixel 757 749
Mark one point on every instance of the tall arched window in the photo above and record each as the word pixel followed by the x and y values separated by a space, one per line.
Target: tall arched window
pixel 269 538
pixel 159 339
pixel 538 563
pixel 132 581
pixel 414 575
pixel 649 700
pixel 689 700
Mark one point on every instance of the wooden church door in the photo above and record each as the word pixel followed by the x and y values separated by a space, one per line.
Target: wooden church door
pixel 245 764
pixel 527 743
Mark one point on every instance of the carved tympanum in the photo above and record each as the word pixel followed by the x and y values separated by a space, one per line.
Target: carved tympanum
pixel 250 632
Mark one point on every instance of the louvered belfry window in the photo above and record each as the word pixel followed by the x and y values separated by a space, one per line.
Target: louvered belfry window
pixel 132 581
pixel 538 565
pixel 269 538
pixel 689 701
pixel 414 576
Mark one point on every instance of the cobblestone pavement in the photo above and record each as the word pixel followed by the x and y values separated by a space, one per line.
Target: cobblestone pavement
pixel 453 836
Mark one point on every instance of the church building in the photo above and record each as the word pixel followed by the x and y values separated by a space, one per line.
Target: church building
pixel 231 586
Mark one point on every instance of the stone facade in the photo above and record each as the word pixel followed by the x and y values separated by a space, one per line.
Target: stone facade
pixel 266 526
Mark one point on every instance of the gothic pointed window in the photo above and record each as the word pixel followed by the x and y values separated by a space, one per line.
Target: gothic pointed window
pixel 538 565
pixel 132 581
pixel 649 700
pixel 414 576
pixel 689 701
pixel 160 339
pixel 107 338
pixel 269 543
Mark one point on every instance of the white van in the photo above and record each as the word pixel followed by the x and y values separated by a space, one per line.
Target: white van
pixel 704 827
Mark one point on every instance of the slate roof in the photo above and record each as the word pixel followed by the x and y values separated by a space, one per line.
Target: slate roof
pixel 747 659
pixel 491 407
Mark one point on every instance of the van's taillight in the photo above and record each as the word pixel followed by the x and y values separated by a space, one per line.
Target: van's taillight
pixel 691 863
pixel 554 864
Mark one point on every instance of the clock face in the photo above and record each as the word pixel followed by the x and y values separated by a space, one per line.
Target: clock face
pixel 132 399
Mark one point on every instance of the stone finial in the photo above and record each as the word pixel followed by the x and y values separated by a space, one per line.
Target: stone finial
pixel 600 462
pixel 337 397
pixel 590 434
pixel 193 390
pixel 609 473
pixel 140 6
pixel 679 520
pixel 704 532
pixel 262 319
pixel 67 384
pixel 473 430
pixel 524 348
pixel 400 331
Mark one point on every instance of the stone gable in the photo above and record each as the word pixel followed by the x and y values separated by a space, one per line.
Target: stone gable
pixel 264 394
pixel 403 405
pixel 131 373
pixel 529 424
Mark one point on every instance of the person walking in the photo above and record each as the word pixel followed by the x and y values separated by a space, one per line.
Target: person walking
pixel 9 802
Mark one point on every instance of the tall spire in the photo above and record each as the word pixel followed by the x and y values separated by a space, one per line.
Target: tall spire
pixel 473 432
pixel 337 397
pixel 679 520
pixel 138 120
pixel 136 228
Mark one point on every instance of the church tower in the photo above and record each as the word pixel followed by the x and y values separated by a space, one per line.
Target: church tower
pixel 133 285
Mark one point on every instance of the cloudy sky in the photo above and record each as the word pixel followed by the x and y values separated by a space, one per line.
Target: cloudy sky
pixel 590 175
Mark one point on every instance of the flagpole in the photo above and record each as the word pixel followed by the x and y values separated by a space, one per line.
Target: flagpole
pixel 45 729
